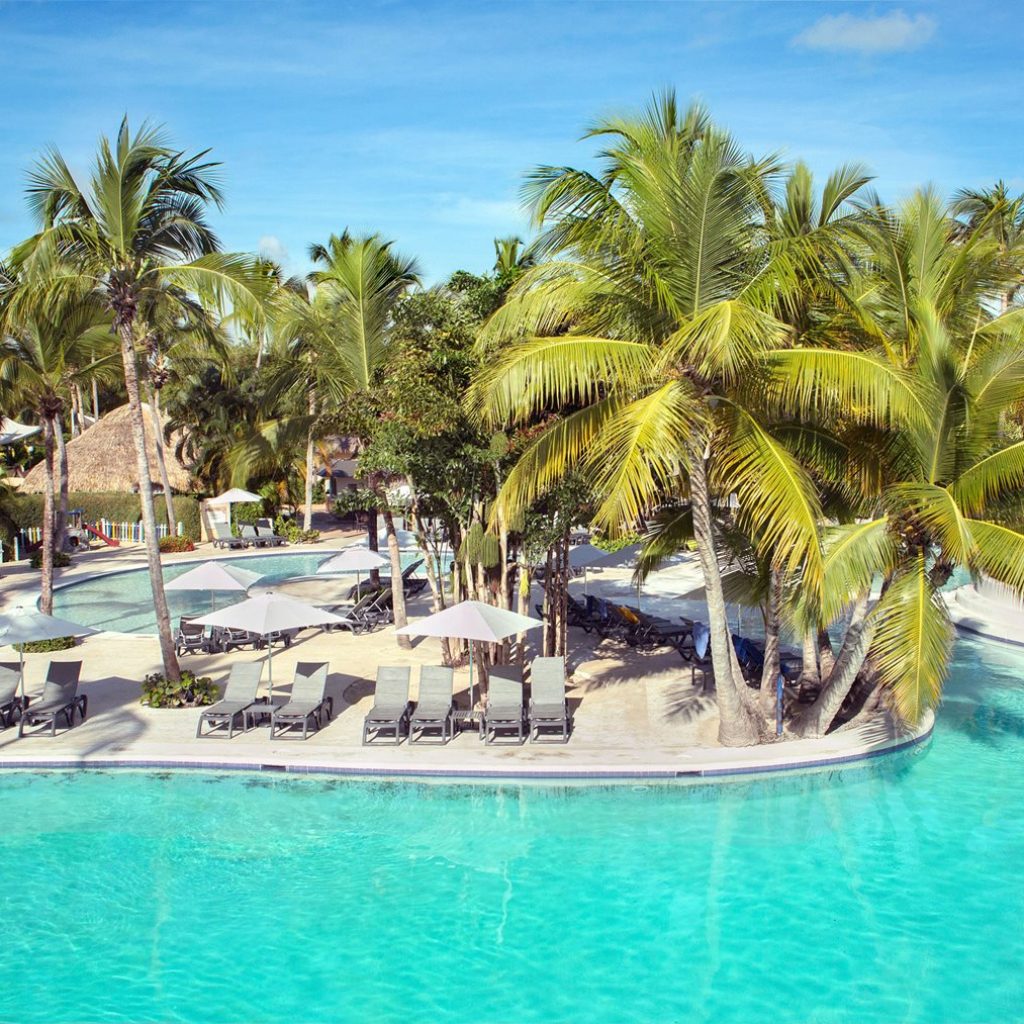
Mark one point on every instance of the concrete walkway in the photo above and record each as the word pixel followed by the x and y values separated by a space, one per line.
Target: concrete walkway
pixel 636 714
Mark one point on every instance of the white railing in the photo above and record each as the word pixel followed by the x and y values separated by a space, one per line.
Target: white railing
pixel 123 533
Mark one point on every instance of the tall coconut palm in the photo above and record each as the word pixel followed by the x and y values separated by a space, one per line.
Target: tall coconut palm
pixel 338 343
pixel 654 305
pixel 137 226
pixel 932 374
pixel 47 348
pixel 999 214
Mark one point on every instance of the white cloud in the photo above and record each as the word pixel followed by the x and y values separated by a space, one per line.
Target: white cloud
pixel 274 249
pixel 848 33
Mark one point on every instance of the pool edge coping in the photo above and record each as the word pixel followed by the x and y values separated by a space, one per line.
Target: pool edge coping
pixel 519 773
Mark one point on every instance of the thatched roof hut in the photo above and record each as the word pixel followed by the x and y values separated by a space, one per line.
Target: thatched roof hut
pixel 102 459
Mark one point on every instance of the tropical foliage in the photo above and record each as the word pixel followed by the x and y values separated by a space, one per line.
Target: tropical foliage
pixel 706 349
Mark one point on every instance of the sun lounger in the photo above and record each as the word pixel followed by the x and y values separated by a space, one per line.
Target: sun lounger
pixel 265 532
pixel 503 711
pixel 224 538
pixel 391 706
pixel 225 638
pixel 250 536
pixel 60 698
pixel 239 692
pixel 9 703
pixel 435 706
pixel 191 638
pixel 307 702
pixel 548 707
pixel 360 618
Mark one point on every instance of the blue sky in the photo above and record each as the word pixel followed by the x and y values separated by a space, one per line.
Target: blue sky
pixel 419 119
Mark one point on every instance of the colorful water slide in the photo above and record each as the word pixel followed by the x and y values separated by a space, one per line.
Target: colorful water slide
pixel 109 541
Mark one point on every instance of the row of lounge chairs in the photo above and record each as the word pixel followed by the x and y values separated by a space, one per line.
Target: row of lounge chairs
pixel 308 704
pixel 251 535
pixel 60 699
pixel 434 714
pixel 611 620
pixel 192 637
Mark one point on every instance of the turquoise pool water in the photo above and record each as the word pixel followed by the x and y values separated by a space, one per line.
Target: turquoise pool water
pixel 884 893
pixel 123 601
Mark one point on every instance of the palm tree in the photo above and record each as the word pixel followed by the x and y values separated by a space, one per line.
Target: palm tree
pixel 1001 216
pixel 137 228
pixel 654 305
pixel 338 344
pixel 511 258
pixel 925 377
pixel 48 348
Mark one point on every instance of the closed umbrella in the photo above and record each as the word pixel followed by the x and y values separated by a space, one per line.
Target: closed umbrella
pixel 471 620
pixel 214 576
pixel 26 625
pixel 355 560
pixel 270 613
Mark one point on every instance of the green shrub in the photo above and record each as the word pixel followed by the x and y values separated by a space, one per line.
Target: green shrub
pixel 613 544
pixel 27 509
pixel 188 692
pixel 285 526
pixel 245 512
pixel 171 544
pixel 61 560
pixel 60 643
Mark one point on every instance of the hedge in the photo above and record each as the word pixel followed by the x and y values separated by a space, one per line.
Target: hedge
pixel 27 509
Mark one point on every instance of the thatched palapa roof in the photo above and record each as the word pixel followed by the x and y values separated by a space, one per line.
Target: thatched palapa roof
pixel 102 459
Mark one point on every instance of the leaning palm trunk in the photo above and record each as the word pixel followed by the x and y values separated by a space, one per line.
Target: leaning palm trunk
pixel 125 317
pixel 770 673
pixel 397 583
pixel 161 460
pixel 60 519
pixel 817 719
pixel 46 597
pixel 737 727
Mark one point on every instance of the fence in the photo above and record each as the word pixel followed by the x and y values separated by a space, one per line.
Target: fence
pixel 124 533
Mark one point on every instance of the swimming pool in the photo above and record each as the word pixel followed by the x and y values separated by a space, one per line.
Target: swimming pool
pixel 123 601
pixel 889 892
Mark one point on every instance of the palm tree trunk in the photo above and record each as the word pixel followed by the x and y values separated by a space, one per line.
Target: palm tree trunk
pixel 95 400
pixel 770 673
pixel 307 512
pixel 156 575
pixel 817 719
pixel 161 461
pixel 73 418
pixel 46 585
pixel 60 519
pixel 80 406
pixel 810 675
pixel 826 656
pixel 524 605
pixel 397 583
pixel 737 727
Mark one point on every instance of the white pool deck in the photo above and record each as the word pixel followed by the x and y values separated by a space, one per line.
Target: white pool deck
pixel 636 715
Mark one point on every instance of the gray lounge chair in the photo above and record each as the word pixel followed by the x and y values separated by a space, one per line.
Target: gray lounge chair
pixel 239 692
pixel 435 707
pixel 503 711
pixel 250 536
pixel 267 535
pixel 548 708
pixel 60 698
pixel 224 538
pixel 359 618
pixel 390 711
pixel 307 701
pixel 10 705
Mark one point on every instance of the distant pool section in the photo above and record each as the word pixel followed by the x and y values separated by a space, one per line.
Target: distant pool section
pixel 123 601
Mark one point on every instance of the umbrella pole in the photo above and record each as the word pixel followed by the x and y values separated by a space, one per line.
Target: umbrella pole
pixel 472 699
pixel 21 673
pixel 270 671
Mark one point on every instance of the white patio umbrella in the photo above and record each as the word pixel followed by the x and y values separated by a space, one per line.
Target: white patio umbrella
pixel 269 613
pixel 406 540
pixel 624 558
pixel 214 576
pixel 11 431
pixel 357 560
pixel 582 556
pixel 25 625
pixel 234 497
pixel 471 620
